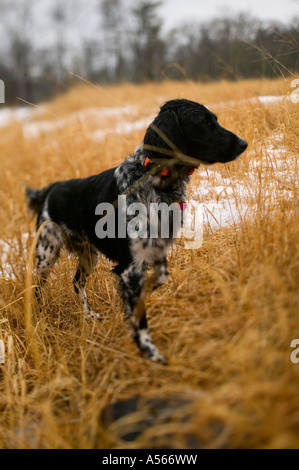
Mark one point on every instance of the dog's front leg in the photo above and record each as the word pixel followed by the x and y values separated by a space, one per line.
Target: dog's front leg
pixel 161 273
pixel 134 290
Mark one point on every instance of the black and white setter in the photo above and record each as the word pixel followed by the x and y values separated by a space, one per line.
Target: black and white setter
pixel 182 136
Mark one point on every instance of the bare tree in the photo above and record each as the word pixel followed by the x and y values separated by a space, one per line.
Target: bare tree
pixel 148 48
pixel 59 17
pixel 113 16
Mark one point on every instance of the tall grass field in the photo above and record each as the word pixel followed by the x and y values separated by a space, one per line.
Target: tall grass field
pixel 226 318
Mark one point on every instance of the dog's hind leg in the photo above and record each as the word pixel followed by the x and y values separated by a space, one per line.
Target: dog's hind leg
pixel 134 290
pixel 47 252
pixel 88 258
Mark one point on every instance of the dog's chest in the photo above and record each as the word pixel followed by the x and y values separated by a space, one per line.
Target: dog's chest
pixel 149 211
pixel 156 222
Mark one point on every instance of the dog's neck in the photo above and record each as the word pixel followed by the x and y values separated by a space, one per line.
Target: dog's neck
pixel 134 169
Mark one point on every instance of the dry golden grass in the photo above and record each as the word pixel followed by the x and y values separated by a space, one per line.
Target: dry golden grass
pixel 225 319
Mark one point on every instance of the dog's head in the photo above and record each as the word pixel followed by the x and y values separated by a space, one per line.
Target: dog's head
pixel 194 131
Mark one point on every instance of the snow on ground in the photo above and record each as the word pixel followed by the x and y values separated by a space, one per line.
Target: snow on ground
pixel 257 100
pixel 90 118
pixel 219 201
pixel 10 250
pixel 121 128
pixel 21 114
pixel 94 118
pixel 226 202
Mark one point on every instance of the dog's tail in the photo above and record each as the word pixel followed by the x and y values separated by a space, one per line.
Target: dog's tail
pixel 36 198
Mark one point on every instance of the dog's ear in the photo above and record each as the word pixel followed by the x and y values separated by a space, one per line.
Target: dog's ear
pixel 167 122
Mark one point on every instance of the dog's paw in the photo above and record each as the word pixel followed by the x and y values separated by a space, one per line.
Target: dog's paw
pixel 159 359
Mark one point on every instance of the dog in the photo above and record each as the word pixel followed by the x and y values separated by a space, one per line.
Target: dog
pixel 183 135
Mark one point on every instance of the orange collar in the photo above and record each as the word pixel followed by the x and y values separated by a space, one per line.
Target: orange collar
pixel 165 171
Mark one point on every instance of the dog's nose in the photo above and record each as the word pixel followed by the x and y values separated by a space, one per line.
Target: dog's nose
pixel 243 144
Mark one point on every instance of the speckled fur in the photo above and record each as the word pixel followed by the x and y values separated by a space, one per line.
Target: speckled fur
pixel 69 209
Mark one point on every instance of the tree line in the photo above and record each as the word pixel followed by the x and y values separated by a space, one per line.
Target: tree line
pixel 46 43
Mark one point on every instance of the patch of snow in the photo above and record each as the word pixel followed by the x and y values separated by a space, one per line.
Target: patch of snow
pixel 7 247
pixel 224 201
pixel 265 100
pixel 8 115
pixel 121 128
pixel 271 99
pixel 89 117
pixel 32 130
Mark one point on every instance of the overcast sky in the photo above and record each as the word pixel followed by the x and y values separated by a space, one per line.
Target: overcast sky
pixel 84 24
pixel 175 11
